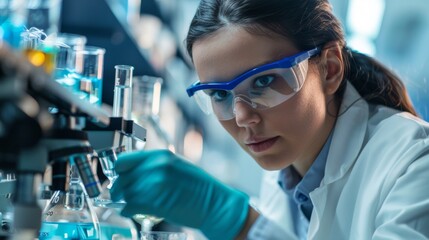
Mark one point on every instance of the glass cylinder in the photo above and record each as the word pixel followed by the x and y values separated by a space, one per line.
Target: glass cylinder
pixel 122 98
pixel 147 100
pixel 147 95
pixel 65 71
pixel 89 66
pixel 67 43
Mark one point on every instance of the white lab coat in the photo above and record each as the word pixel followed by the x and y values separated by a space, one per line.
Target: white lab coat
pixel 376 183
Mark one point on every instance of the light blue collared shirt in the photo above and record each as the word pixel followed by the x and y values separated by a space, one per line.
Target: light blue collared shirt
pixel 298 189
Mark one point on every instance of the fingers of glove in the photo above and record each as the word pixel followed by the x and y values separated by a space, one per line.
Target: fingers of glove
pixel 151 189
pixel 155 173
pixel 148 162
pixel 142 183
pixel 128 161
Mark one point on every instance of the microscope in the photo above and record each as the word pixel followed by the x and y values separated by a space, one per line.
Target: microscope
pixel 44 126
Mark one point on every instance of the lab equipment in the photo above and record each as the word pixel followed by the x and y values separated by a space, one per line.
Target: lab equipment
pixel 146 105
pixel 65 71
pixel 34 139
pixel 38 52
pixel 89 65
pixel 114 226
pixel 153 235
pixel 146 221
pixel 7 184
pixel 122 98
pixel 107 159
pixel 155 177
pixel 69 214
pixel 122 101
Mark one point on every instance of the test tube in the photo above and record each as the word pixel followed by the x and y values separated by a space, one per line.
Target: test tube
pixel 122 98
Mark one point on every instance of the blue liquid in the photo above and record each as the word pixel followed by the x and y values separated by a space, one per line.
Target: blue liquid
pixel 90 89
pixel 64 230
pixel 67 79
pixel 11 33
pixel 108 231
pixel 86 88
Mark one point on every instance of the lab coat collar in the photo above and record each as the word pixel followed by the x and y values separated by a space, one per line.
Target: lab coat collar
pixel 347 141
pixel 348 136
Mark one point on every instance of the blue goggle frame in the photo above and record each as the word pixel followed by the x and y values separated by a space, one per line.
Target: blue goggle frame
pixel 287 62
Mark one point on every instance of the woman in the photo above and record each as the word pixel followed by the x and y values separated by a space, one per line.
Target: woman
pixel 352 156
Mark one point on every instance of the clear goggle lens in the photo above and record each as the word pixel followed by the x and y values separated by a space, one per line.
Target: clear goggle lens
pixel 264 90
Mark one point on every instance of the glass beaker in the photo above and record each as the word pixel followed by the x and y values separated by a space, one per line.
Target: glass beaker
pixel 147 95
pixel 89 65
pixel 147 101
pixel 68 43
pixel 38 52
pixel 155 235
pixel 65 71
pixel 69 215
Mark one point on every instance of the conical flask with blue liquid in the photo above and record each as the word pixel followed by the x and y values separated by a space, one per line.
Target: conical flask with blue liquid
pixel 69 214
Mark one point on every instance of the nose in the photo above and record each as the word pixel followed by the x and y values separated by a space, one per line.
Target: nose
pixel 244 112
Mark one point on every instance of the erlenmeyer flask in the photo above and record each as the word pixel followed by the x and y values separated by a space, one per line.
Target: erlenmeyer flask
pixel 69 215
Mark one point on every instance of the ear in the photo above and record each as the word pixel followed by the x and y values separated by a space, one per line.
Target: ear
pixel 333 67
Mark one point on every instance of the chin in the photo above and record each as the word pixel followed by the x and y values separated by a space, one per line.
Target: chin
pixel 271 163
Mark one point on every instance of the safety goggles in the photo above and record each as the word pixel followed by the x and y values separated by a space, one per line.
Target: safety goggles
pixel 262 87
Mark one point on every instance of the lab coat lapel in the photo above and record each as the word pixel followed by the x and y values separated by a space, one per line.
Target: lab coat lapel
pixel 347 140
pixel 274 203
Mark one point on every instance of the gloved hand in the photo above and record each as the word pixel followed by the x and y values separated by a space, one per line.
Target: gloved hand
pixel 160 183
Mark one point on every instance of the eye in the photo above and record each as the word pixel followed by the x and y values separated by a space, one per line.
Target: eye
pixel 219 95
pixel 263 81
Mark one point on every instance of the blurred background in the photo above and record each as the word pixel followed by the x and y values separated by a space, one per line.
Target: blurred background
pixel 149 34
pixel 78 43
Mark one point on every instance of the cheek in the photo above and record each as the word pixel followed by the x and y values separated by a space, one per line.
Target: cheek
pixel 300 118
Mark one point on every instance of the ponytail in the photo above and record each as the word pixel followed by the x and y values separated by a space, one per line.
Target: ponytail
pixel 374 82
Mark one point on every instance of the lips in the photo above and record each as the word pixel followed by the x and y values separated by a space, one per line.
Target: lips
pixel 260 145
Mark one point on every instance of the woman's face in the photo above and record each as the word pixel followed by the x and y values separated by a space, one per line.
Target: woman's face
pixel 290 133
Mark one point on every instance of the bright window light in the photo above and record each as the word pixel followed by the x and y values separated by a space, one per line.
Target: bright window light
pixel 364 20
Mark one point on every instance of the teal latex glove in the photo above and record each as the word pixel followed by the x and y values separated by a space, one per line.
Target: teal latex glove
pixel 160 183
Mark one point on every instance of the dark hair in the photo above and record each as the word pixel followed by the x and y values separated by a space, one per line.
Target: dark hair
pixel 307 23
